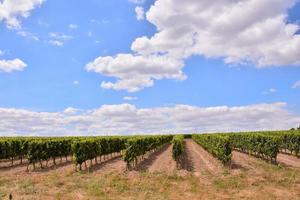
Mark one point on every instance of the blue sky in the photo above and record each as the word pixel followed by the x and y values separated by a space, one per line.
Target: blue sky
pixel 57 40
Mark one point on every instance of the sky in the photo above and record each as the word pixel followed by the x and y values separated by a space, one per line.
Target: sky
pixel 148 67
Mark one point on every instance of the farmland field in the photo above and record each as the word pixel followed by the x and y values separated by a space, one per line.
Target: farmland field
pixel 259 165
pixel 150 100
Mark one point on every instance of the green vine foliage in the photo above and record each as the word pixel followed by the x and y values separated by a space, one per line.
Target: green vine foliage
pixel 13 148
pixel 90 148
pixel 39 150
pixel 140 145
pixel 289 141
pixel 216 144
pixel 260 145
pixel 178 147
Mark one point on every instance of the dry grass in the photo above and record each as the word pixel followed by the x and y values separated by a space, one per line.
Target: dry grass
pixel 250 179
pixel 267 182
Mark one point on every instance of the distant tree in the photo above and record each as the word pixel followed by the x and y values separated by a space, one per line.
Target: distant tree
pixel 292 129
pixel 298 128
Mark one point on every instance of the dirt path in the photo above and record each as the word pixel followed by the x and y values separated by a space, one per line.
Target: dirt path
pixel 288 160
pixel 199 160
pixel 21 170
pixel 159 161
pixel 164 162
pixel 242 161
pixel 115 164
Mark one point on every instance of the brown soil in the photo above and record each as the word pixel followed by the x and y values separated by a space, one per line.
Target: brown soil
pixel 256 179
pixel 288 160
pixel 107 165
pixel 159 161
pixel 242 161
pixel 164 162
pixel 111 165
pixel 198 160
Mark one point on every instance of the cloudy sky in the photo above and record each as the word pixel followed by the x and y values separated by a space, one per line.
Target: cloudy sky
pixel 103 67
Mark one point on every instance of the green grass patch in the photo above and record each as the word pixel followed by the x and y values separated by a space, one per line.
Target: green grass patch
pixel 230 182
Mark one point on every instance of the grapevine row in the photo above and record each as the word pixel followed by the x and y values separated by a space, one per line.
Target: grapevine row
pixel 137 147
pixel 178 147
pixel 289 141
pixel 263 146
pixel 218 145
pixel 43 150
pixel 92 148
pixel 13 148
pixel 39 150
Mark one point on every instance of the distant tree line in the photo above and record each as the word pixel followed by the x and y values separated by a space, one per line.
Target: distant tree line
pixel 293 129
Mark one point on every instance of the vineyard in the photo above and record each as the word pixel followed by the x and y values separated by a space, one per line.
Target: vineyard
pixel 265 145
pixel 205 153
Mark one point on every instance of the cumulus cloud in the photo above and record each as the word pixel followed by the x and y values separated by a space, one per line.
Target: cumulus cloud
pixel 70 111
pixel 12 11
pixel 296 85
pixel 134 72
pixel 239 32
pixel 128 119
pixel 12 65
pixel 140 14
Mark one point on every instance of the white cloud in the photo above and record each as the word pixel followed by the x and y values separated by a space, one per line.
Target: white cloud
pixel 133 72
pixel 76 82
pixel 73 26
pixel 129 98
pixel 28 35
pixel 296 85
pixel 217 30
pixel 128 119
pixel 58 39
pixel 239 31
pixel 270 91
pixel 140 14
pixel 12 11
pixel 56 43
pixel 137 1
pixel 70 111
pixel 60 36
pixel 1 53
pixel 12 65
